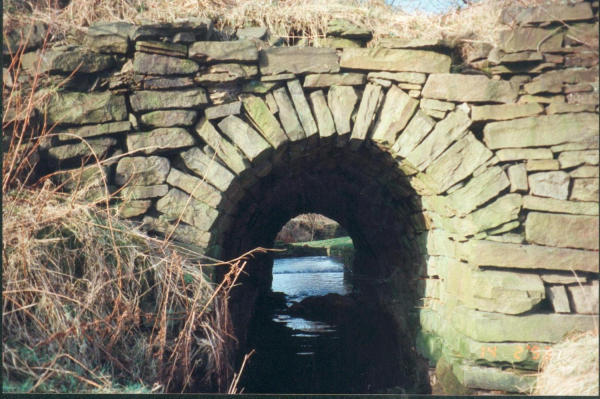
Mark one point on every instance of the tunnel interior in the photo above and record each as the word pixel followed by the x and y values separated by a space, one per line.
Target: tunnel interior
pixel 371 198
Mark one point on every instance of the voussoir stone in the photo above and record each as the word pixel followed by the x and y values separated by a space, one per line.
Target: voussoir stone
pixel 416 130
pixel 142 171
pixel 335 79
pixel 469 88
pixel 287 115
pixel 199 189
pixel 342 101
pixel 240 51
pixel 265 121
pixel 160 139
pixel 543 130
pixel 566 231
pixel 203 165
pixel 393 60
pixel 177 204
pixel 364 117
pixel 478 190
pixel 229 153
pixel 322 114
pixel 550 184
pixel 84 108
pixel 148 100
pixel 397 110
pixel 304 114
pixel 156 64
pixel 256 149
pixel 176 117
pixel 298 60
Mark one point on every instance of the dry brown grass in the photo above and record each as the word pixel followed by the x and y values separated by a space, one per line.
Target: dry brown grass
pixel 570 368
pixel 478 22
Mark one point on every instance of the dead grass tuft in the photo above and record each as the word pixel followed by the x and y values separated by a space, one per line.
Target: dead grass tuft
pixel 571 367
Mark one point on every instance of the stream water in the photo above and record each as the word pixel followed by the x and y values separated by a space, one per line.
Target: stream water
pixel 349 353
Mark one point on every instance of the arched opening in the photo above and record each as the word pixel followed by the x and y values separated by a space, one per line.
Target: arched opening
pixel 376 205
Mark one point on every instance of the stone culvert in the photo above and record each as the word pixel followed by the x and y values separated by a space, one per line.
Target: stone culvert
pixel 473 195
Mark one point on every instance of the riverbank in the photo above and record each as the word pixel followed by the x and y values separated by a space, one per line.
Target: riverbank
pixel 341 247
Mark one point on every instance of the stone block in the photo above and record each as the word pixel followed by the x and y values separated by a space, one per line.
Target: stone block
pixel 147 100
pixel 256 149
pixel 89 176
pixel 517 154
pixel 558 298
pixel 323 116
pixel 530 39
pixel 69 133
pixel 298 60
pixel 27 37
pixel 199 189
pixel 585 190
pixel 397 110
pixel 142 171
pixel 570 159
pixel 224 73
pixel 550 184
pixel 207 167
pixel 469 88
pixel 144 192
pixel 566 231
pixel 566 108
pixel 339 27
pixel 584 172
pixel 91 147
pixel 537 165
pixel 585 298
pixel 221 111
pixel 503 112
pixel 201 27
pixel 131 209
pixel 179 205
pixel 67 62
pixel 160 139
pixel 337 79
pixel 265 121
pixel 109 37
pixel 557 206
pixel 176 117
pixel 342 101
pixel 303 110
pixel 392 60
pixel 85 108
pixel 364 117
pixel 479 190
pixel 400 77
pixel 550 13
pixel 182 232
pixel 416 130
pixel 258 32
pixel 162 48
pixel 288 116
pixel 239 51
pixel 156 64
pixel 229 153
pixel 491 378
pixel 336 42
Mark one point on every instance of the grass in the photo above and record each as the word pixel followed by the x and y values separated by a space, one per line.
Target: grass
pixel 571 367
pixel 333 243
pixel 478 22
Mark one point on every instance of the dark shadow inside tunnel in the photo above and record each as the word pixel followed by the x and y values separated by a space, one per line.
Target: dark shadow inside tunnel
pixel 372 200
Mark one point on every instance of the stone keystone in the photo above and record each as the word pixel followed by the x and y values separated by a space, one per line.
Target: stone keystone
pixel 247 139
pixel 397 110
pixel 381 59
pixel 469 88
pixel 264 120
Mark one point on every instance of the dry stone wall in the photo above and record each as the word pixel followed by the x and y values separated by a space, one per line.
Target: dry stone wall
pixel 477 186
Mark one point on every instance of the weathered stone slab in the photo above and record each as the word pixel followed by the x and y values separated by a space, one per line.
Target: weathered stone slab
pixel 585 190
pixel 230 154
pixel 570 159
pixel 304 114
pixel 342 101
pixel 458 162
pixel 558 298
pixel 256 149
pixel 552 12
pixel 160 139
pixel 177 117
pixel 152 83
pixel 401 77
pixel 162 48
pixel 336 42
pixel 239 51
pixel 132 209
pixel 585 172
pixel 563 278
pixel 142 171
pixel 277 78
pixel 259 87
pixel 504 112
pixel 67 61
pixel 92 130
pixel 288 116
pixel 557 206
pixel 447 131
pixel 144 192
pixel 109 37
pixel 550 184
pixel 93 147
pixel 339 27
pixel 29 36
pixel 517 154
pixel 539 131
pixel 496 327
pixel 381 59
pixel 178 205
pixel 85 108
pixel 217 175
pixel 416 130
pixel 494 379
pixel 589 143
pixel 323 115
pixel 398 107
pixel 530 39
pixel 199 189
pixel 155 100
pixel 252 33
pixel 489 253
pixel 338 79
pixel 221 111
pixel 585 298
pixel 265 121
pixel 437 105
pixel 565 231
pixel 536 165
pixel 364 117
pixel 565 108
pixel 201 27
pixel 298 60
pixel 478 190
pixel 223 73
pixel 469 88
pixel 155 64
